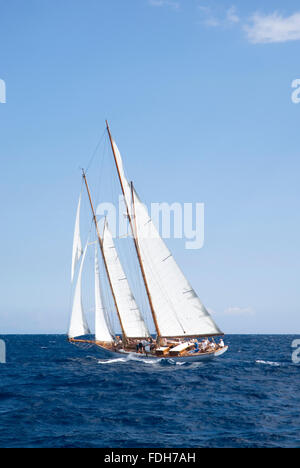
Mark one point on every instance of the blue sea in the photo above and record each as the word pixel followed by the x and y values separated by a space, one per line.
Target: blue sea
pixel 53 394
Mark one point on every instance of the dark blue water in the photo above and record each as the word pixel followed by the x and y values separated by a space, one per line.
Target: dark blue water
pixel 53 394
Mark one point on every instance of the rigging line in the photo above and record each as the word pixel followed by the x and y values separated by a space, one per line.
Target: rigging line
pixel 101 170
pixel 137 282
pixel 95 151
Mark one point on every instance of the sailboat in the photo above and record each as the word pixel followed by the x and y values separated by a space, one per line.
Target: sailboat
pixel 179 317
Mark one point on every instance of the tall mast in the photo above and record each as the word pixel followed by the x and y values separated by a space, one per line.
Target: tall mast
pixel 134 233
pixel 103 256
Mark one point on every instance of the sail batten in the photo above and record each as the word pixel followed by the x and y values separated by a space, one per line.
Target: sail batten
pixel 132 320
pixel 78 324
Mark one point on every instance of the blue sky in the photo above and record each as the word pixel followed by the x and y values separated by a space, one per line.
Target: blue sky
pixel 198 95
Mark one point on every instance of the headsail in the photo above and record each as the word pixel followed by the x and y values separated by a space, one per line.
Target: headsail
pixel 78 325
pixel 102 332
pixel 77 247
pixel 178 310
pixel 132 320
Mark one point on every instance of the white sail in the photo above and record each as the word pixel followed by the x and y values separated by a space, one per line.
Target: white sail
pixel 132 320
pixel 178 309
pixel 102 332
pixel 124 182
pixel 77 247
pixel 78 325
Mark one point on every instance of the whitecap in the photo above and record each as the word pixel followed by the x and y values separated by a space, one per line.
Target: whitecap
pixel 268 363
pixel 112 361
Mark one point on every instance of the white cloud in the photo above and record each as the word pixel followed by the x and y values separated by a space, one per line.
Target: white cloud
pixel 232 16
pixel 161 3
pixel 238 311
pixel 273 28
pixel 259 28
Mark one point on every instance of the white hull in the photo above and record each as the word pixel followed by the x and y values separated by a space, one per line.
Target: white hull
pixel 193 357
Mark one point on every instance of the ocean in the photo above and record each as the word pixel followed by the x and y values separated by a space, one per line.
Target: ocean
pixel 53 394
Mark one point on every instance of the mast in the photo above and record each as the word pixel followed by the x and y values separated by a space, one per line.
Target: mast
pixel 134 235
pixel 103 256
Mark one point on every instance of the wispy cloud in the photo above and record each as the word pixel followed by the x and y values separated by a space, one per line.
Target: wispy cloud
pixel 238 311
pixel 273 28
pixel 221 18
pixel 259 27
pixel 232 15
pixel 161 3
pixel 208 17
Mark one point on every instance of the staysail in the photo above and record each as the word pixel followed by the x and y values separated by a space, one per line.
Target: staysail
pixel 77 247
pixel 78 325
pixel 132 320
pixel 178 310
pixel 102 332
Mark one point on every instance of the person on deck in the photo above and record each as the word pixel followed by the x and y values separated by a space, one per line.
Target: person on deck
pixel 118 342
pixel 196 344
pixel 163 342
pixel 212 345
pixel 204 344
pixel 144 344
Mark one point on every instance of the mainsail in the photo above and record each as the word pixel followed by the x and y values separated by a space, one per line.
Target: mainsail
pixel 131 317
pixel 77 247
pixel 178 310
pixel 102 332
pixel 78 325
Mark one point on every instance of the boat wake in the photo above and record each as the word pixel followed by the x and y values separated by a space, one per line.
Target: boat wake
pixel 152 362
pixel 112 361
pixel 129 358
pixel 268 363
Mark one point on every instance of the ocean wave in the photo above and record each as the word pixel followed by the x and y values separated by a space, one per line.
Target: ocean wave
pixel 268 363
pixel 239 400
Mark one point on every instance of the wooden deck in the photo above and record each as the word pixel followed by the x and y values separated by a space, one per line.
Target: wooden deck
pixel 167 352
